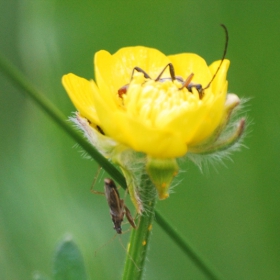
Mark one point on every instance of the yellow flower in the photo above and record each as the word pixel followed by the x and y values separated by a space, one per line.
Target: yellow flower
pixel 158 118
pixel 139 110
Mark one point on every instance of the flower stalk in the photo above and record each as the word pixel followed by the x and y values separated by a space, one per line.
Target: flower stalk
pixel 139 239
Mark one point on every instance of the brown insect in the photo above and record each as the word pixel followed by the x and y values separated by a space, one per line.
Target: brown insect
pixel 117 207
pixel 185 83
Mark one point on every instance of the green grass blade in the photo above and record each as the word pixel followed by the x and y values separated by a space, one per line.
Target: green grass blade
pixel 48 107
pixel 205 266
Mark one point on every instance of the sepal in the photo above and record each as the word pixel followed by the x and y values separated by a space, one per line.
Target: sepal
pixel 162 172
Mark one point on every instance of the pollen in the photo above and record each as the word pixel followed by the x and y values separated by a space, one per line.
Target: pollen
pixel 144 243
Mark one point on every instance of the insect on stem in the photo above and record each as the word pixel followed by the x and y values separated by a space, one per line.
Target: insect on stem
pixel 117 207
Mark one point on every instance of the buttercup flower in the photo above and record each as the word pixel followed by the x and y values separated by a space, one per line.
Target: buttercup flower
pixel 154 108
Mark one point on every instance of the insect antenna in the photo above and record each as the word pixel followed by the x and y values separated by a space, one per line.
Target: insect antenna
pixel 95 180
pixel 126 251
pixel 122 245
pixel 171 70
pixel 105 244
pixel 223 57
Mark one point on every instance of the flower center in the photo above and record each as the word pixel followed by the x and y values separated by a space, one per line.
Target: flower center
pixel 157 101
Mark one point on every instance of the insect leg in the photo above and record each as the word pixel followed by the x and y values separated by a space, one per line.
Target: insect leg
pixel 94 181
pixel 171 71
pixel 129 217
pixel 124 88
pixel 187 83
pixel 140 70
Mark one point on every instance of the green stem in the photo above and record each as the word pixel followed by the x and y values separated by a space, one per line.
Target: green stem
pixel 139 239
pixel 23 84
pixel 205 266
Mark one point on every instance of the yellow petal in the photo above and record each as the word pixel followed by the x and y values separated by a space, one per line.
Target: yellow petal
pixel 159 143
pixel 81 92
pixel 187 63
pixel 108 113
pixel 117 69
pixel 214 110
pixel 212 114
pixel 219 82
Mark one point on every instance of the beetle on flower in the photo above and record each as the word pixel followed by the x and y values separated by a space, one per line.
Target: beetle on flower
pixel 139 111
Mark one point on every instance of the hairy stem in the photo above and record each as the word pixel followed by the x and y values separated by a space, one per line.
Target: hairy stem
pixel 139 239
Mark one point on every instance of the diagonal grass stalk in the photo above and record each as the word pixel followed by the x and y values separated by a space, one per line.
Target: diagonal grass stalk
pixel 23 84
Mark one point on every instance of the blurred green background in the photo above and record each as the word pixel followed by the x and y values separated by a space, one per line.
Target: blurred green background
pixel 230 212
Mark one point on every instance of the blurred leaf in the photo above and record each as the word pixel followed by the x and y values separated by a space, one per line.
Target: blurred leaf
pixel 38 276
pixel 68 262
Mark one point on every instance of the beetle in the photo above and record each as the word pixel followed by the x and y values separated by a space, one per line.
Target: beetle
pixel 185 83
